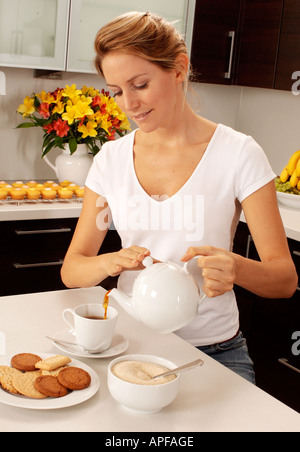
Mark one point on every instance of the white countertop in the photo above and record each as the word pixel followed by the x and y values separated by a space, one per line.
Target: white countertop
pixel 39 210
pixel 211 398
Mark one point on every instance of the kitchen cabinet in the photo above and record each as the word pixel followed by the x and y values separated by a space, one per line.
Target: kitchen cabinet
pixel 289 47
pixel 60 34
pixel 246 42
pixel 214 40
pixel 88 16
pixel 257 48
pixel 270 327
pixel 32 252
pixel 33 33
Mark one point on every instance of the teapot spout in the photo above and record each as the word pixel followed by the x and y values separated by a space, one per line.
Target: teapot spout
pixel 124 301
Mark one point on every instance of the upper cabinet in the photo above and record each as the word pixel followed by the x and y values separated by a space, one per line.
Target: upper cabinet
pixel 259 33
pixel 88 16
pixel 247 42
pixel 60 34
pixel 33 33
pixel 289 46
pixel 214 40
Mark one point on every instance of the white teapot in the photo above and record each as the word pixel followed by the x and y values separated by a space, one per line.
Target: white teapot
pixel 165 296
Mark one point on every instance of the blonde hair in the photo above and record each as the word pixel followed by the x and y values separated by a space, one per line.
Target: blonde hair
pixel 142 34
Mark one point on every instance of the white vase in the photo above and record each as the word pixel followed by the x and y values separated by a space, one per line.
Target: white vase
pixel 73 168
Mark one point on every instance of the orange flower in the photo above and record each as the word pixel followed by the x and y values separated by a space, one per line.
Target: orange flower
pixel 61 128
pixel 44 110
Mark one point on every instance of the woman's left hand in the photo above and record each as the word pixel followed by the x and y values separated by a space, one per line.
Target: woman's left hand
pixel 218 268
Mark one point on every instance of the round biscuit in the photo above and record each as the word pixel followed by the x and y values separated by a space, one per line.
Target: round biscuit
pixel 50 386
pixel 25 361
pixel 24 384
pixel 74 378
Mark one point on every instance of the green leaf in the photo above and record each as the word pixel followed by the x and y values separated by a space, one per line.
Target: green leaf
pixel 25 125
pixel 48 148
pixel 72 145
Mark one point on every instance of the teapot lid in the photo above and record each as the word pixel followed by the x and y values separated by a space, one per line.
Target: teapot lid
pixel 148 261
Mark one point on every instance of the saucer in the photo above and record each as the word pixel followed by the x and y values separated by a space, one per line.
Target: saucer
pixel 118 346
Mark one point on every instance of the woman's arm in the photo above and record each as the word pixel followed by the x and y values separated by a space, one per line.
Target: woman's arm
pixel 82 266
pixel 274 276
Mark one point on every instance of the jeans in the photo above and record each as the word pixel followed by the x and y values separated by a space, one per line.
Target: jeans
pixel 234 355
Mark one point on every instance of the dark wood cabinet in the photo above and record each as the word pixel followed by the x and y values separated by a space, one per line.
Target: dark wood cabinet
pixel 246 42
pixel 259 32
pixel 269 326
pixel 214 38
pixel 32 252
pixel 289 46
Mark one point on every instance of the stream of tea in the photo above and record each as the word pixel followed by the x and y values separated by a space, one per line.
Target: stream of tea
pixel 105 303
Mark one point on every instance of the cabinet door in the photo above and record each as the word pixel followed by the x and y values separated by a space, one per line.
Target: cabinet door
pixel 289 48
pixel 33 33
pixel 88 16
pixel 214 40
pixel 260 32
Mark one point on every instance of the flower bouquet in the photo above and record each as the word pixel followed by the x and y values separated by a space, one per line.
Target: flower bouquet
pixel 74 116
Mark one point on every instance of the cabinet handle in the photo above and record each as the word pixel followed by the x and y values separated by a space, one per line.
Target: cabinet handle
pixel 296 253
pixel 38 265
pixel 42 231
pixel 231 35
pixel 285 362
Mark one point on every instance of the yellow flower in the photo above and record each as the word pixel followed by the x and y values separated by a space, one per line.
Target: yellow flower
pixel 60 108
pixel 88 130
pixel 112 107
pixel 89 91
pixel 46 98
pixel 125 124
pixel 104 123
pixel 83 109
pixel 71 91
pixel 71 113
pixel 27 108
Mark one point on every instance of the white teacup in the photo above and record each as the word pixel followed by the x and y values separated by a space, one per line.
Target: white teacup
pixel 93 332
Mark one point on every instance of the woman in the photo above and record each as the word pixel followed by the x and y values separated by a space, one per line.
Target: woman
pixel 175 188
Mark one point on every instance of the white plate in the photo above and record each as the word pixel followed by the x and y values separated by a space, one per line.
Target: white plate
pixel 289 200
pixel 118 346
pixel 71 399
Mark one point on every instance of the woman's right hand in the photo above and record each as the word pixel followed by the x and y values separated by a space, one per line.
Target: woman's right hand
pixel 124 260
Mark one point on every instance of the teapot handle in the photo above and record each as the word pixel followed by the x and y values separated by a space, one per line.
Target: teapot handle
pixel 185 268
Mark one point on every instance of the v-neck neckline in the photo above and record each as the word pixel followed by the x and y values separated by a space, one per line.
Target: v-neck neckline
pixel 170 198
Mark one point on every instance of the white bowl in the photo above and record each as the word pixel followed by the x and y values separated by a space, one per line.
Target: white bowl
pixel 142 399
pixel 289 200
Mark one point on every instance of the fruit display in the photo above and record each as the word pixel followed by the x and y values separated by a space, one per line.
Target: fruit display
pixel 289 180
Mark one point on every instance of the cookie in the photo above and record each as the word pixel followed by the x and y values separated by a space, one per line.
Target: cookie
pixel 25 361
pixel 52 363
pixel 7 370
pixel 24 384
pixel 74 378
pixel 50 386
pixel 54 373
pixel 6 383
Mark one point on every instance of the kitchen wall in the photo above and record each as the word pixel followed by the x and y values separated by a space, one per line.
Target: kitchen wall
pixel 270 116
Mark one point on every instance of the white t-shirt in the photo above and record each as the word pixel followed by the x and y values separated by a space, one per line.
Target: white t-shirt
pixel 205 211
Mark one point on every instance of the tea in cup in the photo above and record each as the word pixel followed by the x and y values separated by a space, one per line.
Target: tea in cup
pixel 93 331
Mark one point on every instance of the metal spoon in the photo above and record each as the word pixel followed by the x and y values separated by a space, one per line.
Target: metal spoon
pixel 93 350
pixel 180 369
